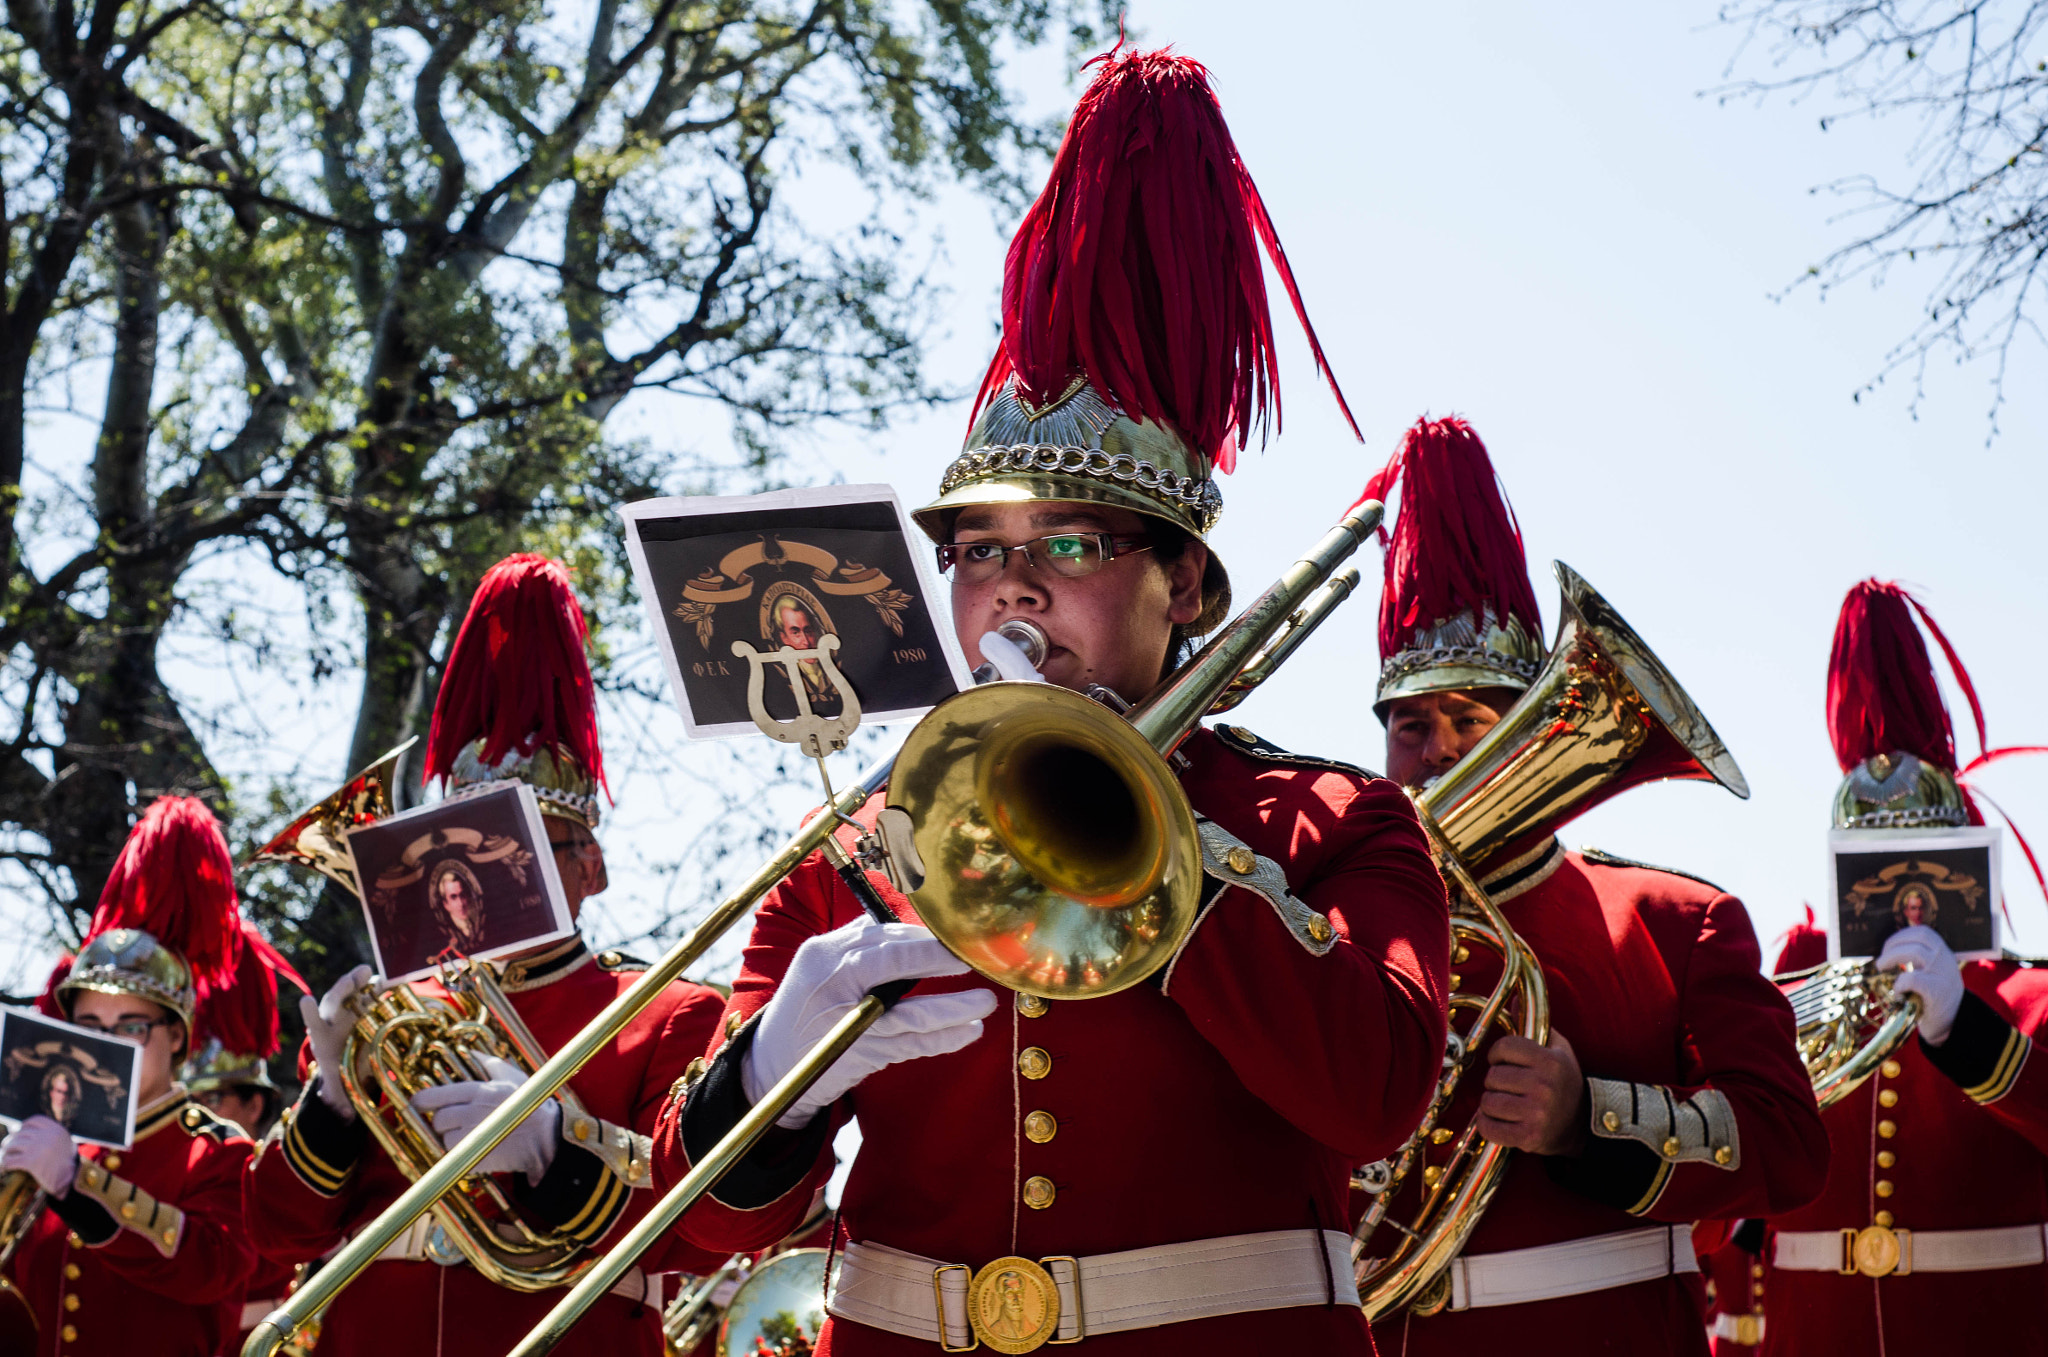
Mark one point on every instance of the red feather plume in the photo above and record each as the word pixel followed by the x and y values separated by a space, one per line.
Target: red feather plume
pixel 517 677
pixel 1138 266
pixel 46 1002
pixel 175 881
pixel 1455 546
pixel 1882 696
pixel 244 1015
pixel 1804 945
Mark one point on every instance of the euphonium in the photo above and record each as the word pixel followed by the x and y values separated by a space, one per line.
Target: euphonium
pixel 1601 716
pixel 1850 1022
pixel 21 1204
pixel 405 1040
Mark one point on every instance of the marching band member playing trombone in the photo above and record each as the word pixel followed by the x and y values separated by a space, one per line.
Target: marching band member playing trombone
pixel 1670 1088
pixel 1162 1170
pixel 516 702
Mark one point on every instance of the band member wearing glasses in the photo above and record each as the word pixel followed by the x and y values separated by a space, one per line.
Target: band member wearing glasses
pixel 142 1249
pixel 516 703
pixel 1162 1170
pixel 1929 1234
pixel 1669 1088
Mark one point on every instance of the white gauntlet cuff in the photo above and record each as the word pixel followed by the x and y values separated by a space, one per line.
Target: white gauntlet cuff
pixel 1699 1129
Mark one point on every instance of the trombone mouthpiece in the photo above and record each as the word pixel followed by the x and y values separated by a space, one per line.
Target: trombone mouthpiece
pixel 1029 638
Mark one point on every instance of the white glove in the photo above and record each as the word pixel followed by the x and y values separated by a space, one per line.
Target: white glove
pixel 1929 969
pixel 830 974
pixel 1009 659
pixel 327 1027
pixel 454 1110
pixel 43 1150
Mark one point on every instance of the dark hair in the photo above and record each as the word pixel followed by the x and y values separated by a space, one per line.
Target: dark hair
pixel 1170 542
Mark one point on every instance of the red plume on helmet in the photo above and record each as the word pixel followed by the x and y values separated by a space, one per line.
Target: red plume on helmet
pixel 1804 946
pixel 175 881
pixel 1455 547
pixel 243 1016
pixel 517 678
pixel 1138 267
pixel 1883 697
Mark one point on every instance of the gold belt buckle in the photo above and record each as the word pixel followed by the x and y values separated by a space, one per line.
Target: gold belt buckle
pixel 1876 1251
pixel 1012 1305
pixel 1749 1330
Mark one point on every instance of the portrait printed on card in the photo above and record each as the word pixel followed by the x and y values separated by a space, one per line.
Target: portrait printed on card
pixel 470 876
pixel 834 575
pixel 81 1079
pixel 1885 880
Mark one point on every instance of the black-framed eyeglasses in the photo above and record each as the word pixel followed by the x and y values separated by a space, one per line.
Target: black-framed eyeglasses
pixel 1069 554
pixel 130 1029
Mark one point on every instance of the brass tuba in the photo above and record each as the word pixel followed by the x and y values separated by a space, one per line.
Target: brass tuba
pixel 404 1041
pixel 1602 715
pixel 1849 1022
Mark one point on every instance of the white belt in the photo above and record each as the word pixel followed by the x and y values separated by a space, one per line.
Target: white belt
pixel 886 1288
pixel 1572 1268
pixel 423 1242
pixel 1747 1330
pixel 1868 1251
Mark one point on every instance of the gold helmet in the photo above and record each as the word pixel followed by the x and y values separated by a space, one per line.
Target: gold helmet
pixel 1457 611
pixel 1137 349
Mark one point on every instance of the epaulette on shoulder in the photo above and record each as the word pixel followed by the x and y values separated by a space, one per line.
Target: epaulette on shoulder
pixel 200 1120
pixel 611 959
pixel 1602 859
pixel 1244 742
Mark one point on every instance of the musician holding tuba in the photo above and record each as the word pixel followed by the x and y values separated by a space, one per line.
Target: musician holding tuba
pixel 1669 1088
pixel 516 702
pixel 1161 1169
pixel 143 1249
pixel 1928 1236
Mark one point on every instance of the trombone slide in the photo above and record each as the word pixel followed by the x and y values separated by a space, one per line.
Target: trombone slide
pixel 276 1328
pixel 702 1177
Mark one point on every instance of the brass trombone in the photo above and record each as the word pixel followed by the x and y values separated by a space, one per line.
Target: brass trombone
pixel 990 772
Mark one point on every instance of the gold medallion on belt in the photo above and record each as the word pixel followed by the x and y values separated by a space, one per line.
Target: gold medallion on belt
pixel 1875 1251
pixel 1013 1305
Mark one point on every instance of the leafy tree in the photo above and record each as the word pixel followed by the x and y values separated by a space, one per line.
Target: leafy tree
pixel 360 285
pixel 1972 78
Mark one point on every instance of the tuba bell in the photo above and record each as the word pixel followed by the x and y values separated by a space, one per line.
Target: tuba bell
pixel 405 1040
pixel 1849 1023
pixel 1602 715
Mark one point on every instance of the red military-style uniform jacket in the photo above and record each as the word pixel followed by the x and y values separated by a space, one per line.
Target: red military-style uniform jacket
pixel 1735 1287
pixel 1232 1093
pixel 1655 980
pixel 146 1253
pixel 1953 1137
pixel 318 1179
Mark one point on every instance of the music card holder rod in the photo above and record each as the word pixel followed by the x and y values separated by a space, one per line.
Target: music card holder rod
pixel 818 736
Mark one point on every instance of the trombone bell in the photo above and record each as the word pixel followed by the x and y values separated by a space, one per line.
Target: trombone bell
pixel 1061 857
